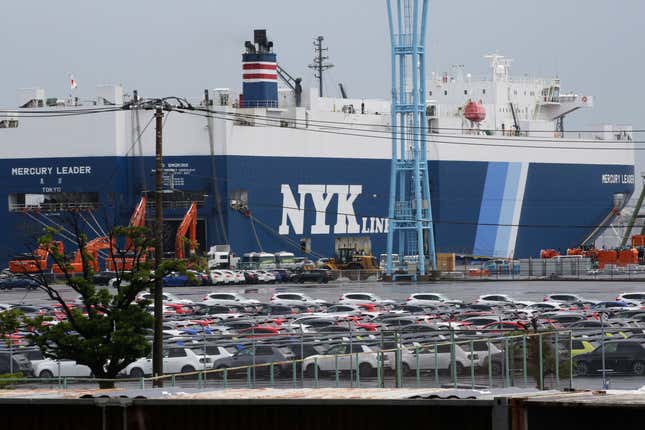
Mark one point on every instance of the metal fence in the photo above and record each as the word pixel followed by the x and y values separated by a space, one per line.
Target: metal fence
pixel 542 360
pixel 527 270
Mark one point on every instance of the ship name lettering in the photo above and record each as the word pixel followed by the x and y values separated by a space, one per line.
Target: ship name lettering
pixel 345 196
pixel 46 171
pixel 614 178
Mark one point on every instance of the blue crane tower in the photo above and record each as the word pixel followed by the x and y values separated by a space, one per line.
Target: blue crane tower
pixel 410 210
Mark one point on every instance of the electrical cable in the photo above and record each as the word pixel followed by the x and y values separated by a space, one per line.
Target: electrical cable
pixel 437 140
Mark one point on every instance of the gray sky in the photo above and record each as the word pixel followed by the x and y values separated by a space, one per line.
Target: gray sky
pixel 179 48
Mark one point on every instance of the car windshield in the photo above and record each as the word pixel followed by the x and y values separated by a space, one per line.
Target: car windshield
pixel 336 349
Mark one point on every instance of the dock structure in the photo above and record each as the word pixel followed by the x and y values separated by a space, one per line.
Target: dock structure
pixel 357 408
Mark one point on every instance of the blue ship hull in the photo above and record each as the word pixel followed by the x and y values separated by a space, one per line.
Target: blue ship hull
pixel 480 208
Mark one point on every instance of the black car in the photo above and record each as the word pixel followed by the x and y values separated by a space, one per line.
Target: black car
pixel 269 309
pixel 29 309
pixel 103 278
pixel 12 282
pixel 315 275
pixel 623 356
pixel 21 363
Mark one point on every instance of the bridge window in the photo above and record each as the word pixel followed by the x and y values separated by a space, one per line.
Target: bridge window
pixel 52 202
pixel 9 123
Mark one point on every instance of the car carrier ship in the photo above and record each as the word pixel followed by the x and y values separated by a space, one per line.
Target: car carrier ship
pixel 274 167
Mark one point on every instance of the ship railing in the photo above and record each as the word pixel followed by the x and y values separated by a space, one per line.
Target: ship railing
pixel 253 104
pixel 51 207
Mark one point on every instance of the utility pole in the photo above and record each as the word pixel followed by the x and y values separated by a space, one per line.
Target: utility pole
pixel 320 65
pixel 157 347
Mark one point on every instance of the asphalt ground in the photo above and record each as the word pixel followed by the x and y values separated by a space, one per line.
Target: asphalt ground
pixel 467 291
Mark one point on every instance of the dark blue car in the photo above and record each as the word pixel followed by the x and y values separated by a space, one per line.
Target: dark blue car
pixel 178 280
pixel 12 282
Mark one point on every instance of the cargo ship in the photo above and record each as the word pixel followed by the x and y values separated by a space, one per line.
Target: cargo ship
pixel 275 167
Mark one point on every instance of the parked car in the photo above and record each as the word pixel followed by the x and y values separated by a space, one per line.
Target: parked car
pixel 260 354
pixel 179 280
pixel 21 363
pixel 167 297
pixel 9 283
pixel 625 356
pixel 424 299
pixel 579 347
pixel 175 360
pixel 345 356
pixel 103 278
pixel 314 275
pixel 265 277
pixel 427 359
pixel 228 299
pixel 251 277
pixel 495 299
pixel 359 298
pixel 563 297
pixel 634 299
pixel 295 299
pixel 48 368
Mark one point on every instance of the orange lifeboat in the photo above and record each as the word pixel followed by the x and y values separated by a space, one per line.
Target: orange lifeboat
pixel 475 112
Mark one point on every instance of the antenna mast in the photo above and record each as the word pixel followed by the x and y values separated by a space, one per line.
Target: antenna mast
pixel 320 63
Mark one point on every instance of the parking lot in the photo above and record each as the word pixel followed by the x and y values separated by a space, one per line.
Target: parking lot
pixel 380 327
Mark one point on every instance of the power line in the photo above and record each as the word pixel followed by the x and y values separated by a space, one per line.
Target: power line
pixel 385 126
pixel 431 139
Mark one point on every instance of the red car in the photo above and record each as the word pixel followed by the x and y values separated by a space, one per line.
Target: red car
pixel 504 326
pixel 260 331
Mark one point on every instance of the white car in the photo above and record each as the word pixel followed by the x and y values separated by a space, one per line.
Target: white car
pixel 48 368
pixel 217 277
pixel 368 360
pixel 175 360
pixel 295 299
pixel 265 277
pixel 563 297
pixel 481 351
pixel 427 359
pixel 432 299
pixel 235 277
pixel 362 298
pixel 228 299
pixel 495 300
pixel 635 298
pixel 167 297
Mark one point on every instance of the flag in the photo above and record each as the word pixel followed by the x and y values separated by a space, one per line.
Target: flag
pixel 72 82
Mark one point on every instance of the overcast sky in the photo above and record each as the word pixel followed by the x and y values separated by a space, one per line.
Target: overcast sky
pixel 179 48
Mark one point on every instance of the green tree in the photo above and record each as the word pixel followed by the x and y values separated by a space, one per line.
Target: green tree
pixel 111 329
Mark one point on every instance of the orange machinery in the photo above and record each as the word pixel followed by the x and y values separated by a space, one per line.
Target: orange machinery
pixel 188 225
pixel 34 263
pixel 623 257
pixel 138 219
pixel 549 253
pixel 638 240
pixel 92 247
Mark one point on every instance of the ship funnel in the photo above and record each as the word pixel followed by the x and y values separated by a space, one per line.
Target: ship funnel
pixel 259 73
